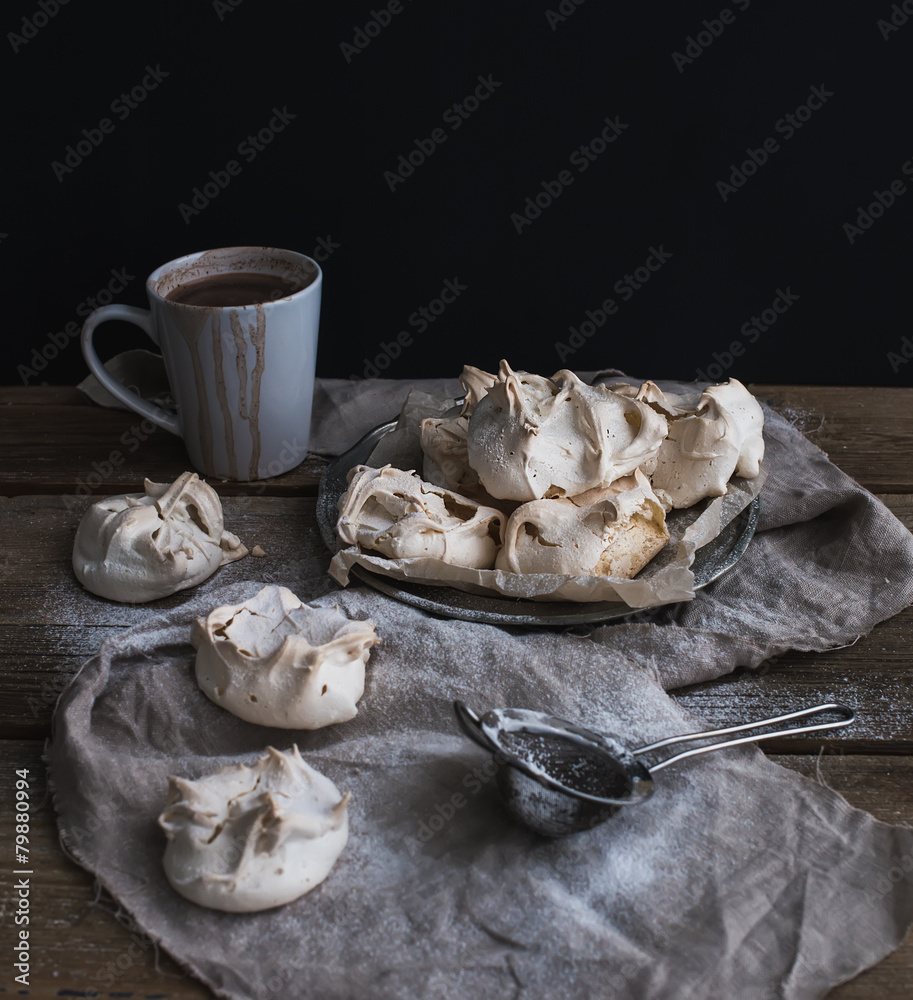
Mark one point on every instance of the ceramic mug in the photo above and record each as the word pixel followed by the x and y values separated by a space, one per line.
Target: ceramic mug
pixel 242 376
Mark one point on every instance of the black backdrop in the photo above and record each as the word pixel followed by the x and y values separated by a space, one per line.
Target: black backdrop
pixel 562 154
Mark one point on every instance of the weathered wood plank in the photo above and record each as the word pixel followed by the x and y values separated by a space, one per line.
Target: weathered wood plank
pixel 53 440
pixel 46 395
pixel 49 626
pixel 32 675
pixel 874 676
pixel 79 946
pixel 78 449
pixel 867 432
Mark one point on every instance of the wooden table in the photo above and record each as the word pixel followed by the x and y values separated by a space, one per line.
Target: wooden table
pixel 56 448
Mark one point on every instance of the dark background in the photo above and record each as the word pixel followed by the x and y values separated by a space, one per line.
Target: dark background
pixel 323 178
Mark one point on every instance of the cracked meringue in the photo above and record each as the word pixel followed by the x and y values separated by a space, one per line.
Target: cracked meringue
pixel 531 437
pixel 401 516
pixel 275 661
pixel 251 838
pixel 721 437
pixel 137 547
pixel 443 439
pixel 446 462
pixel 609 531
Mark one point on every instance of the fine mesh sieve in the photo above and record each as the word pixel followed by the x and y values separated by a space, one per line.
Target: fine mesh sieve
pixel 560 778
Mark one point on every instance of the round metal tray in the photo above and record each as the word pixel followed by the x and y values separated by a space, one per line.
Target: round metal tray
pixel 710 562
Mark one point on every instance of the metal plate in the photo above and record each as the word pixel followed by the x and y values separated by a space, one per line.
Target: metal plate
pixel 710 562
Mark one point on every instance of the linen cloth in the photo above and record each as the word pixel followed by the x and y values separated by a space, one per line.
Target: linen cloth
pixel 738 878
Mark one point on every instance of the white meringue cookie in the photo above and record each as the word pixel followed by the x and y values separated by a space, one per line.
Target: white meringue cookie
pixel 443 439
pixel 137 547
pixel 748 417
pixel 401 516
pixel 610 531
pixel 275 661
pixel 250 838
pixel 724 435
pixel 532 437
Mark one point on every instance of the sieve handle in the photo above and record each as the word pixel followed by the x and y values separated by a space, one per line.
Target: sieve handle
pixel 848 714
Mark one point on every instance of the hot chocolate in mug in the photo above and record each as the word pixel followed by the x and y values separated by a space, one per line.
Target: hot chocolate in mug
pixel 237 328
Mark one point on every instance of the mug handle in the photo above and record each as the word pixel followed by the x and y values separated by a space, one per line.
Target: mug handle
pixel 143 319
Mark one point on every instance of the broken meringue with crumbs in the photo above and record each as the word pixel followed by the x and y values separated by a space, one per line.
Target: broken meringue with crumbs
pixel 275 661
pixel 399 515
pixel 610 531
pixel 249 838
pixel 137 547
